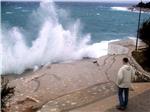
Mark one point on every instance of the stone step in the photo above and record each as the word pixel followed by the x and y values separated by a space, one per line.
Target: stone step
pixel 80 98
pixel 138 101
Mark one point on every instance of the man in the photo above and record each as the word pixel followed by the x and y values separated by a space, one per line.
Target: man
pixel 124 78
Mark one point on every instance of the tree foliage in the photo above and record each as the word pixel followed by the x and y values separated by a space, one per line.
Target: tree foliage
pixel 143 5
pixel 6 93
pixel 144 35
pixel 144 32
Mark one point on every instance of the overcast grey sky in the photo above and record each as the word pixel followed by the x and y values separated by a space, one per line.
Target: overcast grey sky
pixel 108 0
pixel 89 0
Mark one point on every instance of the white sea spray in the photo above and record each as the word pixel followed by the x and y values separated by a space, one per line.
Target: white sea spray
pixel 54 43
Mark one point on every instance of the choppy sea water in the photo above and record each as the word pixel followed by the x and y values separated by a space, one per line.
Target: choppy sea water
pixel 35 34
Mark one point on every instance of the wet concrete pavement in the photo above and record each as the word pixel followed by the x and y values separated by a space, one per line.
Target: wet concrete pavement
pixel 69 87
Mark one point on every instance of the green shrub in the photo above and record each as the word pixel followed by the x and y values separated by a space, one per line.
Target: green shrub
pixel 144 32
pixel 144 55
pixel 6 93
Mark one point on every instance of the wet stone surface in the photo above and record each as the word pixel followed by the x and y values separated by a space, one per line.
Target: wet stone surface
pixel 139 103
pixel 67 86
pixel 80 98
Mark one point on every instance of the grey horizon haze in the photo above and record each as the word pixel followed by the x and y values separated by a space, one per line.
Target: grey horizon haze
pixel 132 1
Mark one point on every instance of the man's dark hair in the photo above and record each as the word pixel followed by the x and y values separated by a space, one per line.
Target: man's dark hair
pixel 125 60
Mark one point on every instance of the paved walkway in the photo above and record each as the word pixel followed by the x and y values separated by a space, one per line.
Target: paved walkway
pixel 80 98
pixel 139 101
pixel 80 86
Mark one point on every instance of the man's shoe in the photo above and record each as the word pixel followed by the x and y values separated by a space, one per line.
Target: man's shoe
pixel 120 107
pixel 123 108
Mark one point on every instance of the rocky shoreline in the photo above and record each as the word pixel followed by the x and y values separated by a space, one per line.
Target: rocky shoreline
pixel 58 87
pixel 134 8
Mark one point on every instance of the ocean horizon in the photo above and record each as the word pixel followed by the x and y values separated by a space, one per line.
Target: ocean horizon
pixel 39 33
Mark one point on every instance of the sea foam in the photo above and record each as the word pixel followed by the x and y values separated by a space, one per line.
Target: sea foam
pixel 53 43
pixel 120 8
pixel 127 9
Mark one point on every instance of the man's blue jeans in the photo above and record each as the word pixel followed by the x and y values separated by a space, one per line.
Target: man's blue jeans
pixel 123 94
